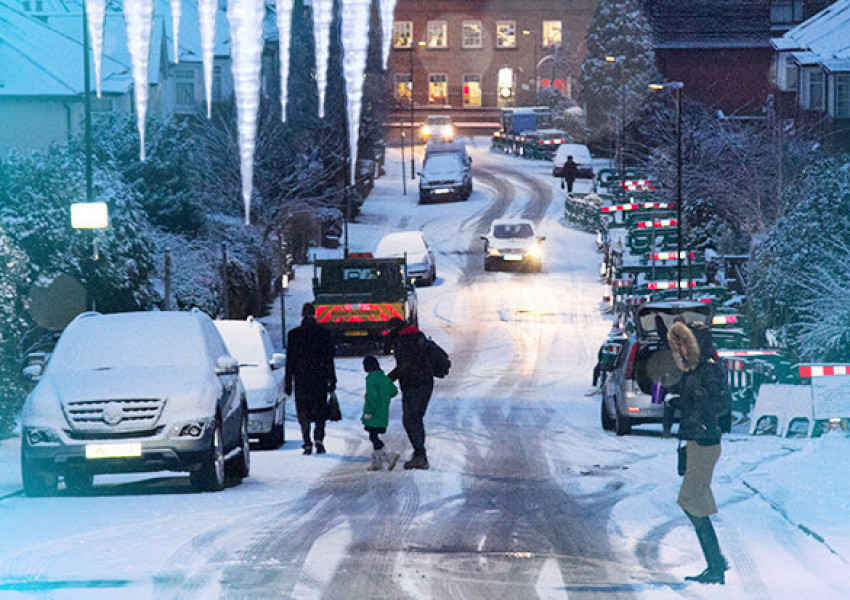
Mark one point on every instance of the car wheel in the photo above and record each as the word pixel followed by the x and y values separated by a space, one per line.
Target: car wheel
pixel 240 465
pixel 210 477
pixel 37 482
pixel 622 423
pixel 607 422
pixel 79 482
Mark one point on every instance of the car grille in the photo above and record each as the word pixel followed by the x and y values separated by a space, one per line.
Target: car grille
pixel 442 182
pixel 113 416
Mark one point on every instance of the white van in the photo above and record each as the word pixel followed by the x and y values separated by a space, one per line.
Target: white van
pixel 421 265
pixel 581 156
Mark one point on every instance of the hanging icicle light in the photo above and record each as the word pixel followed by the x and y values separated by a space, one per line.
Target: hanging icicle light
pixel 284 35
pixel 96 13
pixel 246 48
pixel 206 19
pixel 138 15
pixel 322 17
pixel 355 46
pixel 387 12
pixel 176 13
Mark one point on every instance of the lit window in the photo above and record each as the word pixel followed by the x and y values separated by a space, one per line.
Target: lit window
pixel 472 90
pixel 184 88
pixel 402 34
pixel 437 34
pixel 505 34
pixel 505 84
pixel 842 96
pixel 438 89
pixel 471 34
pixel 403 86
pixel 551 33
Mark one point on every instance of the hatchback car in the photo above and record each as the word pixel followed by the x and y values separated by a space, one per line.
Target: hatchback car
pixel 261 371
pixel 645 359
pixel 438 127
pixel 444 176
pixel 421 264
pixel 513 243
pixel 130 392
pixel 581 156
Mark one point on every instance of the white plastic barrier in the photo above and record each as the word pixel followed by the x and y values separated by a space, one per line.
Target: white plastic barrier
pixel 782 403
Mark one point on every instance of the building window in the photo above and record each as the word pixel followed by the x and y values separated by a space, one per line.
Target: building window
pixel 842 96
pixel 437 34
pixel 402 34
pixel 472 90
pixel 26 5
pixel 792 72
pixel 216 86
pixel 438 89
pixel 505 83
pixel 403 86
pixel 471 34
pixel 815 89
pixel 505 34
pixel 184 88
pixel 786 12
pixel 551 33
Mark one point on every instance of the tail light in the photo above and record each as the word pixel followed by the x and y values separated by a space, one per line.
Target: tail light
pixel 630 363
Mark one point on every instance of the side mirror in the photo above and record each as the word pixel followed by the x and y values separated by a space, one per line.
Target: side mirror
pixel 483 237
pixel 226 365
pixel 541 238
pixel 278 361
pixel 33 372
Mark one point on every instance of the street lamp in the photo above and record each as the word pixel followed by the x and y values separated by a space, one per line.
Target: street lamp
pixel 677 86
pixel 412 134
pixel 621 60
pixel 530 32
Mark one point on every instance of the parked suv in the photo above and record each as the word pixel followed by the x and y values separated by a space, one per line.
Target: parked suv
pixel 445 176
pixel 644 359
pixel 581 156
pixel 143 391
pixel 421 264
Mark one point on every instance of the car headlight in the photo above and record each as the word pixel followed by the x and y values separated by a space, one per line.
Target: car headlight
pixel 535 251
pixel 448 131
pixel 426 130
pixel 494 252
pixel 41 436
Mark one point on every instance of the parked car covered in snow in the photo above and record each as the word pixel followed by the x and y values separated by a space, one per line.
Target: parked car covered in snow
pixel 581 156
pixel 261 371
pixel 421 264
pixel 143 391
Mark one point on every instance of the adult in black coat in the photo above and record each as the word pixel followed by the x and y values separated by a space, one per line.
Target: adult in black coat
pixel 570 173
pixel 310 364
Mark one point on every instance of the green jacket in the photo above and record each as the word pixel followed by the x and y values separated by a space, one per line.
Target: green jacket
pixel 379 390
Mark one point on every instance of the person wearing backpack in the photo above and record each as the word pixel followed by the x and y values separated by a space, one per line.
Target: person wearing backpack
pixel 416 380
pixel 703 405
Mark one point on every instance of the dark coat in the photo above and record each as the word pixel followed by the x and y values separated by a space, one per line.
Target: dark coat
pixel 310 363
pixel 570 170
pixel 411 359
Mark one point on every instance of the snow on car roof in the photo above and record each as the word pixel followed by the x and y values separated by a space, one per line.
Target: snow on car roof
pixel 398 242
pixel 244 340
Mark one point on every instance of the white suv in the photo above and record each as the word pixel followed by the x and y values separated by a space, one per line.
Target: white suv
pixel 143 391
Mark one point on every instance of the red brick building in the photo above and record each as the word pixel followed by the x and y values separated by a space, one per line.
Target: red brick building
pixel 473 55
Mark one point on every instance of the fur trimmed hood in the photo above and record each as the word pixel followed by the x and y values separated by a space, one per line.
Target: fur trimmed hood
pixel 684 345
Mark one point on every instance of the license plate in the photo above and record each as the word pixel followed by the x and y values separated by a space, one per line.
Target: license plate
pixel 513 256
pixel 443 191
pixel 256 427
pixel 356 333
pixel 94 451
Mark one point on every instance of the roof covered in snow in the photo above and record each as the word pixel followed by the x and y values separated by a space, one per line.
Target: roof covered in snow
pixel 709 23
pixel 823 39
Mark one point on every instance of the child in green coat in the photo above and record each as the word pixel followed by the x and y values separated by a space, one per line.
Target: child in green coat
pixel 376 412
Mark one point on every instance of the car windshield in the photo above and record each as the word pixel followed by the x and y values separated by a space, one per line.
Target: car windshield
pixel 132 340
pixel 438 121
pixel 360 278
pixel 512 230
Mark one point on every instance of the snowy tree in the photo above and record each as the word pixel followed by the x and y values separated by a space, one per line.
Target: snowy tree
pixel 14 283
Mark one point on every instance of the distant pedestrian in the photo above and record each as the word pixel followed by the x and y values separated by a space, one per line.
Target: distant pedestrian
pixel 310 364
pixel 702 404
pixel 570 173
pixel 376 413
pixel 413 372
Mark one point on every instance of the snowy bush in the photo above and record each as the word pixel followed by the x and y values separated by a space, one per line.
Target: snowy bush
pixel 14 282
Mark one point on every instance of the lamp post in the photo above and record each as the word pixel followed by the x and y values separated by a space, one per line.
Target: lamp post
pixel 621 60
pixel 87 84
pixel 532 33
pixel 677 86
pixel 412 133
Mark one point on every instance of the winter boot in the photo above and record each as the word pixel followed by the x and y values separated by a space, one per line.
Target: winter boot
pixel 390 460
pixel 417 462
pixel 717 565
pixel 308 449
pixel 376 462
pixel 320 448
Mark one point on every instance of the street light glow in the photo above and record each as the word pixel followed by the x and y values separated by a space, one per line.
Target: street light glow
pixel 526 32
pixel 89 215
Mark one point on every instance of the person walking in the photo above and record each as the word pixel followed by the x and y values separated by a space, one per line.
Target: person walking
pixel 416 379
pixel 701 404
pixel 376 413
pixel 570 173
pixel 310 364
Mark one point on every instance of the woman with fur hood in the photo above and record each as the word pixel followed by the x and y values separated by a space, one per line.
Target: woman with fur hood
pixel 701 397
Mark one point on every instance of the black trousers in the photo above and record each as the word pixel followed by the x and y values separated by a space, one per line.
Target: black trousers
pixel 318 432
pixel 570 183
pixel 374 432
pixel 414 403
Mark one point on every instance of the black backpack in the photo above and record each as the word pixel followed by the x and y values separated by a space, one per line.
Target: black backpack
pixel 437 358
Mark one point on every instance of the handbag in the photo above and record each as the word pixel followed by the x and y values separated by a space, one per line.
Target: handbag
pixel 682 463
pixel 334 414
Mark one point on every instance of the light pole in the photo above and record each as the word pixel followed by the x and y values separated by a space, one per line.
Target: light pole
pixel 621 60
pixel 87 84
pixel 412 134
pixel 532 33
pixel 677 86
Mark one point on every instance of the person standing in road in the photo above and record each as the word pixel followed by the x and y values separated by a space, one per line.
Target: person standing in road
pixel 702 404
pixel 413 372
pixel 570 173
pixel 310 364
pixel 376 412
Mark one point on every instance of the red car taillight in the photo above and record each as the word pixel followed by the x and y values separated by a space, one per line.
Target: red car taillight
pixel 630 363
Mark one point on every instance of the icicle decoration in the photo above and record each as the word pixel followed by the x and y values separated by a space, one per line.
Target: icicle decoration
pixel 138 15
pixel 284 36
pixel 246 41
pixel 387 13
pixel 355 45
pixel 96 13
pixel 206 19
pixel 322 17
pixel 176 13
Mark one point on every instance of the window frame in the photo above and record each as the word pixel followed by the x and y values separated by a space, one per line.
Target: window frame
pixel 184 83
pixel 396 27
pixel 463 80
pixel 545 37
pixel 842 109
pixel 431 81
pixel 444 27
pixel 512 25
pixel 402 78
pixel 463 30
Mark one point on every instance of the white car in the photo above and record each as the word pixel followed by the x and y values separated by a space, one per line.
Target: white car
pixel 513 243
pixel 438 126
pixel 581 156
pixel 262 371
pixel 421 264
pixel 139 391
